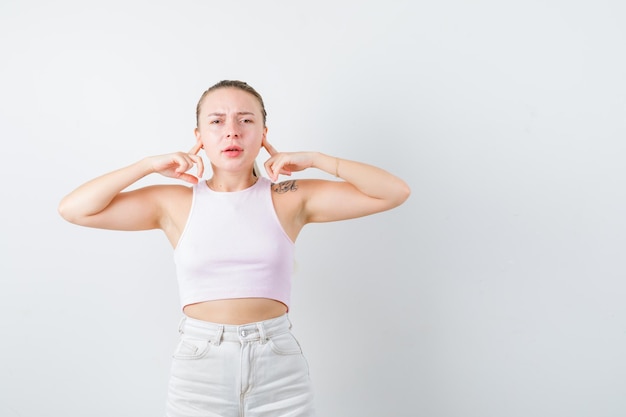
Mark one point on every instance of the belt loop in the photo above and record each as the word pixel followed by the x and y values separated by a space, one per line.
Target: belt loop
pixel 288 321
pixel 262 334
pixel 181 325
pixel 218 335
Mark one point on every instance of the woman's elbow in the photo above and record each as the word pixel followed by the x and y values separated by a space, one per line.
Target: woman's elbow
pixel 402 194
pixel 399 195
pixel 65 211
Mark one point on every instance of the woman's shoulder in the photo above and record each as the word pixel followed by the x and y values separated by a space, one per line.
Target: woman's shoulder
pixel 170 189
pixel 290 199
pixel 293 193
pixel 168 195
pixel 295 185
pixel 302 188
pixel 175 202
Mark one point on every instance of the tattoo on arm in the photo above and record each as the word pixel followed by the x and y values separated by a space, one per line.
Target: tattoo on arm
pixel 285 186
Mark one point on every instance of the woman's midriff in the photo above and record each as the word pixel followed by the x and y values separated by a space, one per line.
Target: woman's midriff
pixel 236 311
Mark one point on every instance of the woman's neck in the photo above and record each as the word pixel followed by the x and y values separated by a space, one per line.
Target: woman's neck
pixel 228 183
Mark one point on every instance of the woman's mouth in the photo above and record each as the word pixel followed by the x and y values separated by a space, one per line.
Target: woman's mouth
pixel 232 151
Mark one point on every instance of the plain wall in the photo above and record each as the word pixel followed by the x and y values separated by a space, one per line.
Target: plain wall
pixel 496 290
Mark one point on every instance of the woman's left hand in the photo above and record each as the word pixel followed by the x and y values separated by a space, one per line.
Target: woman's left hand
pixel 286 162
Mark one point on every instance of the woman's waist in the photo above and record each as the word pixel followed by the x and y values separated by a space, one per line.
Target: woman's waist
pixel 236 311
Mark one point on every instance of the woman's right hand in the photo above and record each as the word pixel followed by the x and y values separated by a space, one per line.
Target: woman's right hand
pixel 175 165
pixel 101 202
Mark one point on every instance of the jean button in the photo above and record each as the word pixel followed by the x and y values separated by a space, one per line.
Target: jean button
pixel 243 333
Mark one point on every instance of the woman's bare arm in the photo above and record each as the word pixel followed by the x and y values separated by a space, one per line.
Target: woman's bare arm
pixel 366 189
pixel 101 202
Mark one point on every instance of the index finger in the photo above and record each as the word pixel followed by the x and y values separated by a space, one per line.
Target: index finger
pixel 270 149
pixel 196 148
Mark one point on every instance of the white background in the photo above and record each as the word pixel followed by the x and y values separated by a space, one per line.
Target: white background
pixel 497 290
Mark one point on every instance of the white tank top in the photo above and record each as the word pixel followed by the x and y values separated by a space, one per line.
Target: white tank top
pixel 233 246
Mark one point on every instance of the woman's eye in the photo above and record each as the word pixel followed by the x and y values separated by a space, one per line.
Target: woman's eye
pixel 214 122
pixel 247 121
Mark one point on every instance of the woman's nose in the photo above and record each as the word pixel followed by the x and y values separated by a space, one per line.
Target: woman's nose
pixel 232 129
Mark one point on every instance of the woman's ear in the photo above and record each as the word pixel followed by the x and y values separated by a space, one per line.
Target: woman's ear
pixel 196 132
pixel 198 144
pixel 264 136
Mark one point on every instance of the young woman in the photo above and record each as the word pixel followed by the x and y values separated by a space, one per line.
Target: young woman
pixel 233 237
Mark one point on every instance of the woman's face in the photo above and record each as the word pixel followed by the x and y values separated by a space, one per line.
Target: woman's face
pixel 231 128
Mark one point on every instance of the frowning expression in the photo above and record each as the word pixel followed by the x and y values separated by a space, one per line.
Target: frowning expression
pixel 231 128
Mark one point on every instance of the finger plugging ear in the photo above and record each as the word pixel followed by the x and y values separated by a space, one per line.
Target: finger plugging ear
pixel 268 147
pixel 196 159
pixel 196 148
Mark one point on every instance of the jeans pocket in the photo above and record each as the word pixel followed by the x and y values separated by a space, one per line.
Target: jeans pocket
pixel 285 344
pixel 190 349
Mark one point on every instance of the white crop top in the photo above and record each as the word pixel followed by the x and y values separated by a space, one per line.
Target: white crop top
pixel 233 246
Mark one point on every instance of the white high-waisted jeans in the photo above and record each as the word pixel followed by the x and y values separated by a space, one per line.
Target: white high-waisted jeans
pixel 251 370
